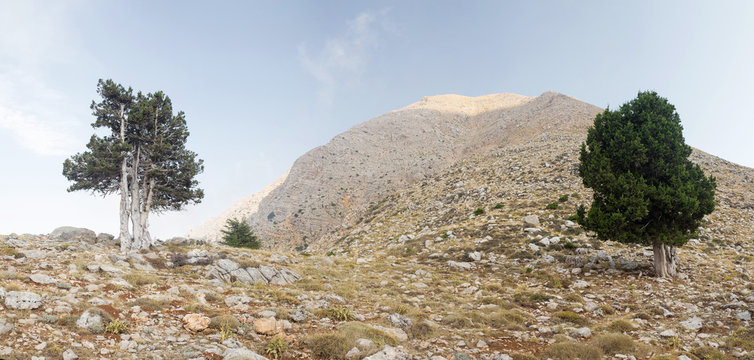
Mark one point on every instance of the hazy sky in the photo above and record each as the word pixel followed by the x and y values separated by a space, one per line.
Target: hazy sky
pixel 262 82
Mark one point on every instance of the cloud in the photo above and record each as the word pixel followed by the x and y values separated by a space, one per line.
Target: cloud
pixel 343 60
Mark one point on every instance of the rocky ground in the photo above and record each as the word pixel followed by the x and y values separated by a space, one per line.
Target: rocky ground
pixel 478 262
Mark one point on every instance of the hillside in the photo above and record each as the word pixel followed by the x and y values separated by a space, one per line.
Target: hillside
pixel 395 150
pixel 475 260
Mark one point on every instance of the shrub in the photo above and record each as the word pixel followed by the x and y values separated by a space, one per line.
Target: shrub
pixel 457 321
pixel 335 345
pixel 339 313
pixel 552 206
pixel 620 326
pixel 569 316
pixel 498 206
pixel 224 321
pixel 569 245
pixel 139 279
pixel 563 198
pixel 572 351
pixel 614 343
pixel 479 211
pixel 116 327
pixel 238 233
pixel 276 347
pixel 708 353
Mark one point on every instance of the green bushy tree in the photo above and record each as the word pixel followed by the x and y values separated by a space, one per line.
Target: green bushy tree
pixel 238 233
pixel 142 156
pixel 646 190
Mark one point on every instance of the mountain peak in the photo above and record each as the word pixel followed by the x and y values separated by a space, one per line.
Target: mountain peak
pixel 467 105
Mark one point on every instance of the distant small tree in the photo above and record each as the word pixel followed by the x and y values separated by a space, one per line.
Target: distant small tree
pixel 646 190
pixel 238 233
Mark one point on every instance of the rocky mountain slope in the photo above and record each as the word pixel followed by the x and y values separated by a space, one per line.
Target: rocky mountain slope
pixel 476 261
pixel 398 149
pixel 242 209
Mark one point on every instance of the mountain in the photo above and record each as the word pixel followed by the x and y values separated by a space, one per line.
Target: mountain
pixel 395 150
pixel 474 259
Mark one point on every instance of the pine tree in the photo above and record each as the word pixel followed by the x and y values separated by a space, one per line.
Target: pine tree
pixel 238 233
pixel 646 190
pixel 143 158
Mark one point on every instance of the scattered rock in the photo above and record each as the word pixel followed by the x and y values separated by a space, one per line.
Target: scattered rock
pixel 42 279
pixel 390 353
pixel 692 324
pixel 23 300
pixel 583 332
pixel 242 354
pixel 71 234
pixel 196 322
pixel 531 221
pixel 91 320
pixel 69 355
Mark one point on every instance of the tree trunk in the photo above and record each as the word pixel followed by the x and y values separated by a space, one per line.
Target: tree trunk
pixel 665 259
pixel 125 235
pixel 135 203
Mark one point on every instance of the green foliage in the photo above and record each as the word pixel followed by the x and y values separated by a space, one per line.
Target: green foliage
pixel 498 206
pixel 479 211
pixel 238 233
pixel 116 327
pixel 569 245
pixel 339 313
pixel 142 154
pixel 645 188
pixel 552 206
pixel 276 347
pixel 563 198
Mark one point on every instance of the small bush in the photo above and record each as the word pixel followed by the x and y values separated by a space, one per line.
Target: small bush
pixel 421 330
pixel 620 326
pixel 569 245
pixel 569 316
pixel 708 353
pixel 139 279
pixel 339 313
pixel 457 321
pixel 572 351
pixel 238 233
pixel 335 345
pixel 479 211
pixel 563 198
pixel 6 250
pixel 276 347
pixel 227 321
pixel 498 206
pixel 552 206
pixel 614 343
pixel 116 327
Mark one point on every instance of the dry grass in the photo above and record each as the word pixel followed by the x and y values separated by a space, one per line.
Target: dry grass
pixel 614 343
pixel 572 351
pixel 224 321
pixel 335 345
pixel 150 304
pixel 140 279
pixel 620 326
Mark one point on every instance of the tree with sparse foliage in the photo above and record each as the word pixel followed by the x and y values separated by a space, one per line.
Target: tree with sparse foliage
pixel 238 233
pixel 142 157
pixel 646 190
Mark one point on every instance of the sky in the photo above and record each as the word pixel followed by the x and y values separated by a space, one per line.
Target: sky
pixel 263 82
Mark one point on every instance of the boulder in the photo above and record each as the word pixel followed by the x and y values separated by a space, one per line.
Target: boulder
pixel 390 353
pixel 196 322
pixel 22 300
pixel 105 238
pixel 91 320
pixel 692 324
pixel 531 221
pixel 42 279
pixel 5 326
pixel 69 233
pixel 242 354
